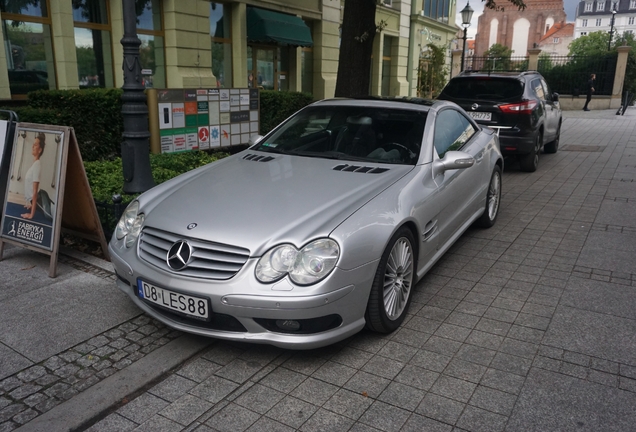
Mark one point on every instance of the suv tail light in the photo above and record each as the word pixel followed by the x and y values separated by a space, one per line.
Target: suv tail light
pixel 525 107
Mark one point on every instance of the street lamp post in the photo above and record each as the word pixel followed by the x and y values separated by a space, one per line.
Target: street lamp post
pixel 467 15
pixel 135 150
pixel 609 44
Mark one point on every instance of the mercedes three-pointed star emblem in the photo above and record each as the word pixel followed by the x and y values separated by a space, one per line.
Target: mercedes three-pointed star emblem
pixel 474 106
pixel 179 255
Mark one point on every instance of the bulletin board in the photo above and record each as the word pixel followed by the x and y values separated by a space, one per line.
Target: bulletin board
pixel 202 119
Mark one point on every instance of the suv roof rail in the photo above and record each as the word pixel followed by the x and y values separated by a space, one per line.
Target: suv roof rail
pixel 490 71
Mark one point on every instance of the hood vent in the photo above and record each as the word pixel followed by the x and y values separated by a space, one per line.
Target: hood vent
pixel 258 158
pixel 360 169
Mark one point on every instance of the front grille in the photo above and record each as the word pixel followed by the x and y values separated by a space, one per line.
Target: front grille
pixel 209 260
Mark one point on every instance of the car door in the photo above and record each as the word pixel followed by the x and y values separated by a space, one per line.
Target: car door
pixel 539 92
pixel 460 191
pixel 553 111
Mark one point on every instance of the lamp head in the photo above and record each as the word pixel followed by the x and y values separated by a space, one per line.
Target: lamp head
pixel 467 15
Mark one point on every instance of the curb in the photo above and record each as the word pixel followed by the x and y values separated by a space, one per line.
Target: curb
pixel 87 407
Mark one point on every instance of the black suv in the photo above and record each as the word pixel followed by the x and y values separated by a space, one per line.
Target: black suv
pixel 519 104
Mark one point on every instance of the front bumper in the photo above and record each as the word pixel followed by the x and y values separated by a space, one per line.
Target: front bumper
pixel 242 305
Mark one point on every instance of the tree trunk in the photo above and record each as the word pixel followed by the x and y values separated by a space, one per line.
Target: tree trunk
pixel 356 48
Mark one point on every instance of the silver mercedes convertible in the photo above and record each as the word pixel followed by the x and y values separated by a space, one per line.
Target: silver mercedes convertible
pixel 320 228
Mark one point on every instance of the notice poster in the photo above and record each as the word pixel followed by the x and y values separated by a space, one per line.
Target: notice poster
pixel 33 192
pixel 191 119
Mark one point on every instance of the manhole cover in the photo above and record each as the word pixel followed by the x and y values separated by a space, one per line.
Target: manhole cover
pixel 582 148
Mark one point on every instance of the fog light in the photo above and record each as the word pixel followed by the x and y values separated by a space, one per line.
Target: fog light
pixel 288 325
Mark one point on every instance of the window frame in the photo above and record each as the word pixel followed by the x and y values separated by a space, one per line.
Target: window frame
pixel 224 40
pixel 7 16
pixel 158 33
pixel 600 6
pixel 584 23
pixel 599 22
pixel 101 27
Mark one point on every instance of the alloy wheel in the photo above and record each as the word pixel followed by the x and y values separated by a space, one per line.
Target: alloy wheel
pixel 398 278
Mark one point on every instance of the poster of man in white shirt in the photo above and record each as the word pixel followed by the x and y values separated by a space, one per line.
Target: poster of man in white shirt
pixel 32 191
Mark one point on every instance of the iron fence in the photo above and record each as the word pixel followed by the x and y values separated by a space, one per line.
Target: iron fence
pixel 499 64
pixel 109 213
pixel 570 74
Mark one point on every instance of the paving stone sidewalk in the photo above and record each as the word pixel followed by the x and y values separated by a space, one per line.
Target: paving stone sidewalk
pixel 527 326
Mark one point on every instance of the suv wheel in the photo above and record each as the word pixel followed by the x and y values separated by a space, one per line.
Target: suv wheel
pixel 530 162
pixel 553 146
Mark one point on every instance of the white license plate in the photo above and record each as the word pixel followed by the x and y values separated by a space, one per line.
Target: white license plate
pixel 480 115
pixel 189 305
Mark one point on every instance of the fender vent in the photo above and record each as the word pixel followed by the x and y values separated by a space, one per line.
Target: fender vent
pixel 258 158
pixel 360 169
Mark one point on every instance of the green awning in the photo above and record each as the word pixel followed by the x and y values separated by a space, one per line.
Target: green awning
pixel 265 26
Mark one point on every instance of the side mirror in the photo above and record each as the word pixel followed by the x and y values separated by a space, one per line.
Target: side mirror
pixel 555 97
pixel 452 160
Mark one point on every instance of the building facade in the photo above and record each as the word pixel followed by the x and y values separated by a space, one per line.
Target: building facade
pixel 556 42
pixel 517 29
pixel 281 45
pixel 593 16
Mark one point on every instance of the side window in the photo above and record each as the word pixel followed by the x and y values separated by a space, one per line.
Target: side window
pixel 538 89
pixel 546 89
pixel 452 131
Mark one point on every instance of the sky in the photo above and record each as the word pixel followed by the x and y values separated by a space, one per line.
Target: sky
pixel 478 6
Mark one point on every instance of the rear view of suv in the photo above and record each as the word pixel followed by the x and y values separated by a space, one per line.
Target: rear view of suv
pixel 519 104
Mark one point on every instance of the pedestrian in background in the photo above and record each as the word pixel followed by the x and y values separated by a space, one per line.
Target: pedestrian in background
pixel 590 90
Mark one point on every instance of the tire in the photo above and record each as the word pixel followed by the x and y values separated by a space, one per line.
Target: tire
pixel 553 146
pixel 390 295
pixel 493 200
pixel 530 162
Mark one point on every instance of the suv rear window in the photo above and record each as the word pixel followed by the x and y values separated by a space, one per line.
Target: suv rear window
pixel 494 89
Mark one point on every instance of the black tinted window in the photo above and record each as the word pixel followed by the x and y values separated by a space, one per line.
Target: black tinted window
pixel 452 131
pixel 373 134
pixel 489 88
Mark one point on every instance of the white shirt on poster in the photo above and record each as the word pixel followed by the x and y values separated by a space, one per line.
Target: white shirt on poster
pixel 32 176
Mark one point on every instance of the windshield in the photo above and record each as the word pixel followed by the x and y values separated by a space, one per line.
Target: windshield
pixel 357 133
pixel 493 89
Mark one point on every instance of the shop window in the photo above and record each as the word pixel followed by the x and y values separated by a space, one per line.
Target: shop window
pixel 26 28
pixel 221 39
pixel 152 48
pixel 93 44
pixel 437 9
pixel 33 8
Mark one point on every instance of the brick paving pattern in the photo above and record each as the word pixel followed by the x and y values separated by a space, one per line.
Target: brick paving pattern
pixel 36 390
pixel 526 326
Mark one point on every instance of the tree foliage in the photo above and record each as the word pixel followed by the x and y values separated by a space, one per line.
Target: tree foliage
pixel 432 72
pixel 591 44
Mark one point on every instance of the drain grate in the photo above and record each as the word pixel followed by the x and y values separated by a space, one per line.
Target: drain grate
pixel 582 148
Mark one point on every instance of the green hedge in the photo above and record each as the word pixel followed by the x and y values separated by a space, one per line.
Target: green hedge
pixel 106 176
pixel 277 106
pixel 95 114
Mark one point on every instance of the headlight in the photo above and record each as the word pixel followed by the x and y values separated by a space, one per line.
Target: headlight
pixel 305 267
pixel 130 224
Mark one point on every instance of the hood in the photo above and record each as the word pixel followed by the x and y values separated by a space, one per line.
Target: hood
pixel 257 200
